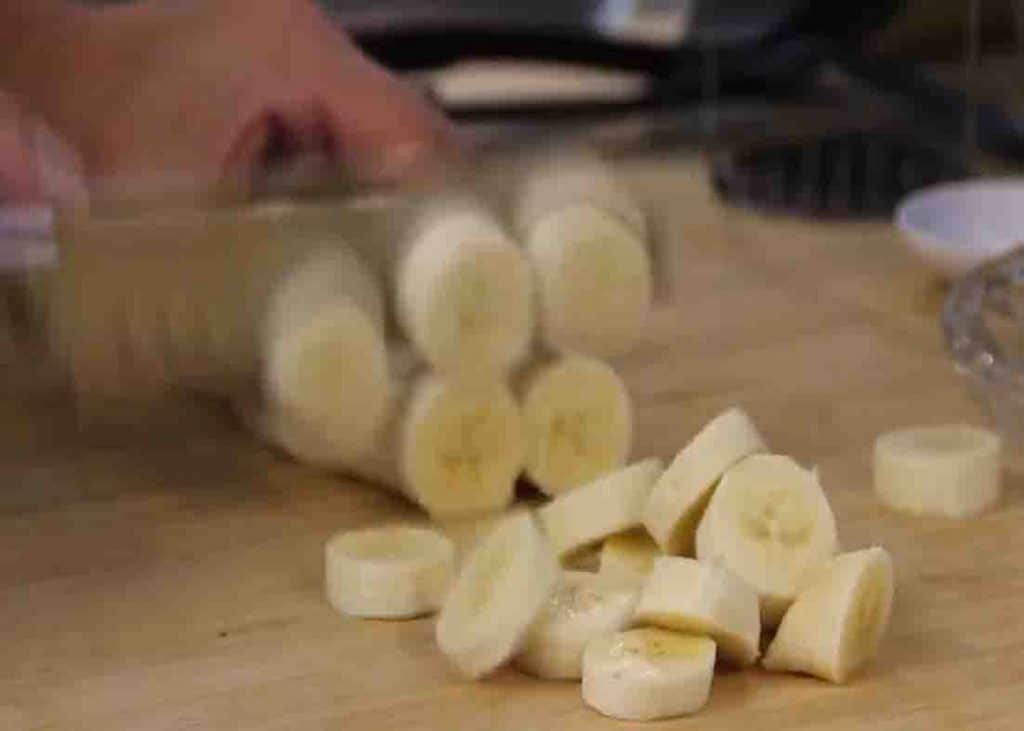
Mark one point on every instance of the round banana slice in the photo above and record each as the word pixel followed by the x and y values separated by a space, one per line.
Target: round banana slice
pixel 571 178
pixel 648 674
pixel 685 595
pixel 837 623
pixel 679 498
pixel 579 423
pixel 462 447
pixel 611 504
pixel 595 280
pixel 584 607
pixel 770 524
pixel 464 294
pixel 504 586
pixel 950 471
pixel 628 557
pixel 392 572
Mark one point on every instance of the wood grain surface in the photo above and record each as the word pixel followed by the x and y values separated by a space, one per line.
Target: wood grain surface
pixel 173 582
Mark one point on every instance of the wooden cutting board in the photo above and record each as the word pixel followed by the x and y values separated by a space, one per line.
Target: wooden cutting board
pixel 174 583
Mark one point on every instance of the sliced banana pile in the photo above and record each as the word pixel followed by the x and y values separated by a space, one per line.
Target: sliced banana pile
pixel 643 633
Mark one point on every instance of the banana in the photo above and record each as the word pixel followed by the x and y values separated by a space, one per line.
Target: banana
pixel 628 557
pixel 463 293
pixel 325 359
pixel 391 572
pixel 679 498
pixel 579 422
pixel 594 277
pixel 570 178
pixel 584 607
pixel 585 516
pixel 461 447
pixel 685 595
pixel 648 674
pixel 503 587
pixel 837 623
pixel 770 524
pixel 950 471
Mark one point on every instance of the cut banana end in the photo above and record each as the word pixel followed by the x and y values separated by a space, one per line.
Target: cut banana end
pixel 579 423
pixel 770 524
pixel 464 294
pixel 394 572
pixel 503 587
pixel 685 595
pixel 648 674
pixel 951 471
pixel 836 625
pixel 585 606
pixel 679 498
pixel 583 517
pixel 462 447
pixel 628 557
pixel 595 280
pixel 572 178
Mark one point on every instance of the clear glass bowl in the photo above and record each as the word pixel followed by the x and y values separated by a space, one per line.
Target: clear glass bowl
pixel 983 321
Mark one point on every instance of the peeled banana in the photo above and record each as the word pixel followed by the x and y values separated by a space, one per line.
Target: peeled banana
pixel 950 471
pixel 628 557
pixel 685 595
pixel 588 514
pixel 679 498
pixel 579 422
pixel 770 524
pixel 584 607
pixel 836 624
pixel 503 588
pixel 647 674
pixel 395 572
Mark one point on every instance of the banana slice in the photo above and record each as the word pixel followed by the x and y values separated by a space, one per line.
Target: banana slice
pixel 681 495
pixel 595 280
pixel 950 471
pixel 393 572
pixel 770 524
pixel 461 447
pixel 579 423
pixel 648 674
pixel 836 625
pixel 571 178
pixel 628 557
pixel 464 294
pixel 611 504
pixel 685 595
pixel 325 357
pixel 584 607
pixel 503 587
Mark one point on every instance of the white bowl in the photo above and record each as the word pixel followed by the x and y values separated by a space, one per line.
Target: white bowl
pixel 954 227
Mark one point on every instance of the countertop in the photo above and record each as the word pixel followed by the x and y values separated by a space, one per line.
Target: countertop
pixel 175 583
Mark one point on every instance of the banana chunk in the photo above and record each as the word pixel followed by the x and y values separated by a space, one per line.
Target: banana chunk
pixel 837 623
pixel 770 524
pixel 585 606
pixel 570 178
pixel 392 572
pixel 463 294
pixel 579 422
pixel 951 471
pixel 628 557
pixel 648 674
pixel 462 447
pixel 681 495
pixel 611 504
pixel 326 362
pixel 595 280
pixel 685 595
pixel 504 586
